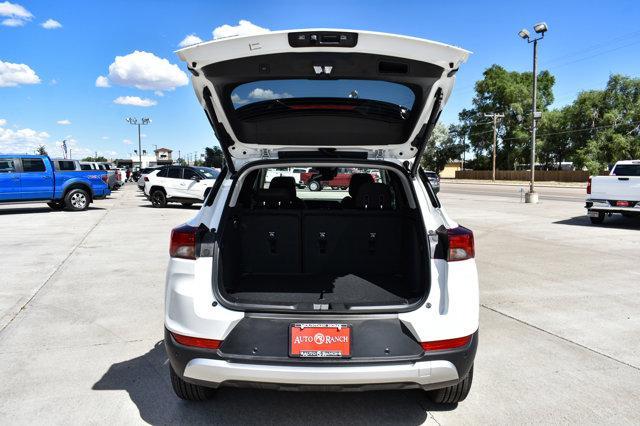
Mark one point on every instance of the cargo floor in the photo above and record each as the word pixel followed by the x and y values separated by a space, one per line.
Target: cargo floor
pixel 348 289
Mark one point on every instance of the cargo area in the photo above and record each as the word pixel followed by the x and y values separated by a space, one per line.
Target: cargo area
pixel 361 251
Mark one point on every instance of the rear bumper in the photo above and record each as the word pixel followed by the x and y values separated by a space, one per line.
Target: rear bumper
pixel 420 374
pixel 101 193
pixel 604 206
pixel 428 371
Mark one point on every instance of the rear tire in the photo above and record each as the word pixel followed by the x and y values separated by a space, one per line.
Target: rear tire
pixel 314 185
pixel 597 220
pixel 158 198
pixel 453 394
pixel 76 200
pixel 56 205
pixel 189 391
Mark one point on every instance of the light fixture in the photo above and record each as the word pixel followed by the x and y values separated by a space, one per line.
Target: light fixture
pixel 540 27
pixel 524 34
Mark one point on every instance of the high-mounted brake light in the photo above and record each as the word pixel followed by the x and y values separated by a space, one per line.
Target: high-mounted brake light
pixel 440 345
pixel 183 242
pixel 461 245
pixel 589 185
pixel 197 342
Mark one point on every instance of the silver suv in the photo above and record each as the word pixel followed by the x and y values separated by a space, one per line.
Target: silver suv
pixel 274 285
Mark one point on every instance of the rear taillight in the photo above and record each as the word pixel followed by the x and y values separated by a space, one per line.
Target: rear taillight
pixel 197 342
pixel 461 246
pixel 118 175
pixel 146 179
pixel 589 185
pixel 441 345
pixel 105 178
pixel 183 242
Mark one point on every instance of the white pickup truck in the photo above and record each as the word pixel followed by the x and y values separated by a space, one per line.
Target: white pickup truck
pixel 617 193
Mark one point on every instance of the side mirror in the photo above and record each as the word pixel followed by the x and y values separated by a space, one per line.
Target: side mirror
pixel 196 178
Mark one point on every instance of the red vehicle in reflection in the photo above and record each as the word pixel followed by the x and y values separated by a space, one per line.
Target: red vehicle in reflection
pixel 315 181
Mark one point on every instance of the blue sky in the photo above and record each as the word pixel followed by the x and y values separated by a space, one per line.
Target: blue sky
pixel 587 41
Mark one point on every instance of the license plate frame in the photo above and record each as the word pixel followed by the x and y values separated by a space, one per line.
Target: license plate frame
pixel 313 348
pixel 593 213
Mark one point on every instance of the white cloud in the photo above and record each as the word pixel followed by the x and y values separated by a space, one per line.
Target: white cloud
pixel 51 24
pixel 244 28
pixel 64 122
pixel 237 100
pixel 190 40
pixel 135 101
pixel 16 74
pixel 159 93
pixel 14 14
pixel 102 81
pixel 20 140
pixel 145 71
pixel 127 141
pixel 104 138
pixel 265 94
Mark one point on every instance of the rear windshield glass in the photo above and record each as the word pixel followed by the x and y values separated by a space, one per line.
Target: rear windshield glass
pixel 374 90
pixel 627 170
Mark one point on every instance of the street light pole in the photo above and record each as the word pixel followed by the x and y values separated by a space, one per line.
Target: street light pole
pixel 143 122
pixel 540 28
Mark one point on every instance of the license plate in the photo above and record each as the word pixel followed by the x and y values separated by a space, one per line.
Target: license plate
pixel 593 214
pixel 320 340
pixel 622 204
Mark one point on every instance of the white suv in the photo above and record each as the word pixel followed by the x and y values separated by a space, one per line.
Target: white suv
pixel 273 285
pixel 179 184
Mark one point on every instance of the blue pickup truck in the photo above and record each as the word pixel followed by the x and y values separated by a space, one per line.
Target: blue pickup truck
pixel 33 178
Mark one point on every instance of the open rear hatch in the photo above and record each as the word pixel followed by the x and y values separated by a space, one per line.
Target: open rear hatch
pixel 322 93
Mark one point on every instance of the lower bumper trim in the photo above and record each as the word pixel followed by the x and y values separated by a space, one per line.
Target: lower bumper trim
pixel 422 373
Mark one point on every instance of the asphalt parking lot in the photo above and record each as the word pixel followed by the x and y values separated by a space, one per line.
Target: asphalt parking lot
pixel 81 300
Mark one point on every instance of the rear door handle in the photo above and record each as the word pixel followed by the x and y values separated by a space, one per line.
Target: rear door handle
pixel 623 178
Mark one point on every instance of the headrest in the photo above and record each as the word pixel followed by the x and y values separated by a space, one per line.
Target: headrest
pixel 272 197
pixel 284 182
pixel 373 196
pixel 357 180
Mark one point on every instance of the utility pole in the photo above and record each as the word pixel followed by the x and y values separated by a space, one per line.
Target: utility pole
pixel 495 117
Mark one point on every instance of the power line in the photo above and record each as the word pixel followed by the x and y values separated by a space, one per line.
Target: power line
pixel 575 130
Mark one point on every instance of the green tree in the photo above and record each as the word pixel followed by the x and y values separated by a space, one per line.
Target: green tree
pixel 213 157
pixel 100 159
pixel 605 124
pixel 507 92
pixel 441 148
pixel 41 150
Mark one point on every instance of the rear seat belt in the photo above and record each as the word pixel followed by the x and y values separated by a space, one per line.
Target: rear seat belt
pixel 322 242
pixel 271 237
pixel 372 242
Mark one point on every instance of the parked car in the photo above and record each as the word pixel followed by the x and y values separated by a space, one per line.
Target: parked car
pixel 141 175
pixel 434 180
pixel 112 180
pixel 179 184
pixel 294 172
pixel 617 193
pixel 380 291
pixel 34 178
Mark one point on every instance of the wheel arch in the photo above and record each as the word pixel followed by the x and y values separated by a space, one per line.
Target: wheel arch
pixel 78 185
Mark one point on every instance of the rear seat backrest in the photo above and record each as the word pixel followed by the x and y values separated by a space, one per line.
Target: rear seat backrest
pixel 374 196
